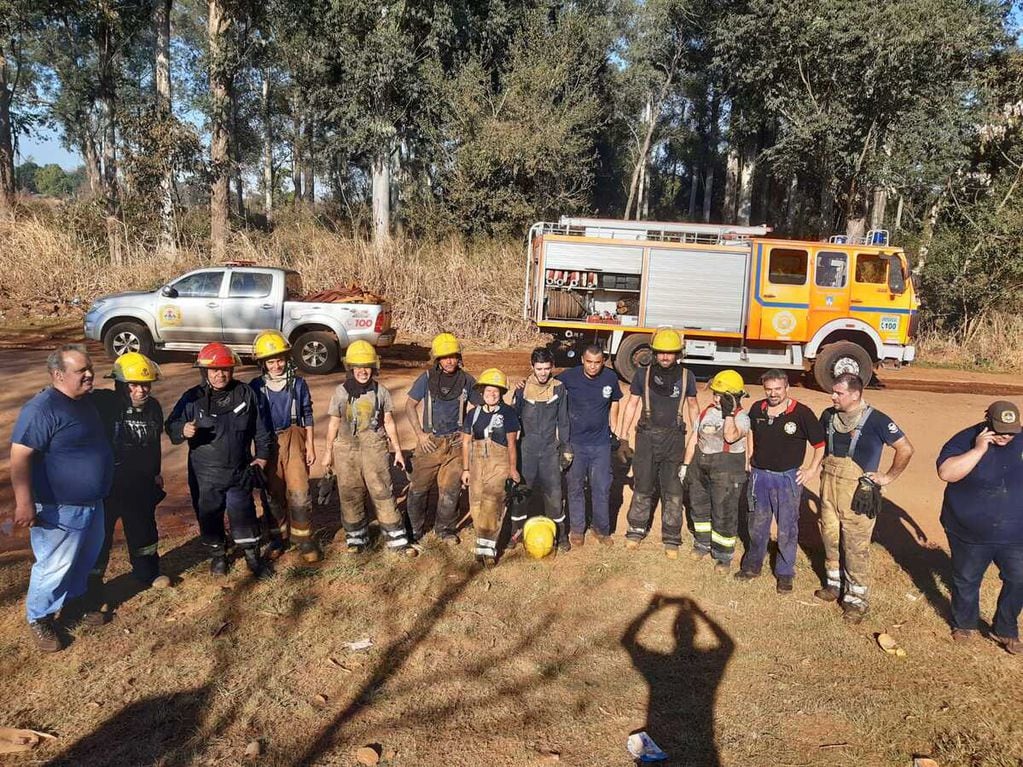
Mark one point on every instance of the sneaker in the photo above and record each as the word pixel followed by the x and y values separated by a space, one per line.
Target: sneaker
pixel 161 582
pixel 783 584
pixel 671 554
pixel 722 568
pixel 1011 645
pixel 853 614
pixel 827 594
pixel 576 539
pixel 219 566
pixel 45 635
pixel 745 575
pixel 963 636
pixel 604 540
pixel 631 545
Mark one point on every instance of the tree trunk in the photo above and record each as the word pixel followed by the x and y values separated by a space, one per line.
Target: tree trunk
pixel 694 185
pixel 309 166
pixel 6 141
pixel 296 151
pixel 856 228
pixel 218 22
pixel 877 208
pixel 268 151
pixel 381 198
pixel 236 158
pixel 107 100
pixel 898 215
pixel 710 150
pixel 162 26
pixel 744 205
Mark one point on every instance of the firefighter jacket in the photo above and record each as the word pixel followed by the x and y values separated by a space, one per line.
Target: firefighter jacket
pixel 543 414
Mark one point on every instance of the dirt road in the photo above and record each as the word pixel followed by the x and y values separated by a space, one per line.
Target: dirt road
pixel 930 405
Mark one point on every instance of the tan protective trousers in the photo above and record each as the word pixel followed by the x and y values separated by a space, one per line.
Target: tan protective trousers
pixel 287 480
pixel 442 466
pixel 362 463
pixel 846 535
pixel 488 470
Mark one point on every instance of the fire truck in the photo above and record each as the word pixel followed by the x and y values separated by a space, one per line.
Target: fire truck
pixel 740 297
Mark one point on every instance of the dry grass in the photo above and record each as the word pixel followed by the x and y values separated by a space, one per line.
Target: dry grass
pixel 993 343
pixel 501 667
pixel 474 290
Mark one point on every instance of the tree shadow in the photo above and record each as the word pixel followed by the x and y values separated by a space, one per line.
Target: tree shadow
pixel 683 681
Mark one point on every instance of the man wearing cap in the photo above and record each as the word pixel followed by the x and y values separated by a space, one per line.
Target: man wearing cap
pixel 983 519
pixel 855 437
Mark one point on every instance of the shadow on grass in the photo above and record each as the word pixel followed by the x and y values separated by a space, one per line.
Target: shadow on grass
pixel 683 681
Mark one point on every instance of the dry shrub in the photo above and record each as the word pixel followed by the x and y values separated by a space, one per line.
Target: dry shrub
pixel 994 342
pixel 474 290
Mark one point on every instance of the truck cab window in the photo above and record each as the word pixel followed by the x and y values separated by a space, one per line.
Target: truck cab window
pixel 293 286
pixel 831 270
pixel 250 284
pixel 871 268
pixel 787 267
pixel 199 285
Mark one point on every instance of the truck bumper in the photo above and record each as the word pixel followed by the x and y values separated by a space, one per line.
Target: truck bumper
pixel 898 353
pixel 386 338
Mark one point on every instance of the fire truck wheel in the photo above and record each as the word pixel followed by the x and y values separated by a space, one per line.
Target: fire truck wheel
pixel 633 352
pixel 841 357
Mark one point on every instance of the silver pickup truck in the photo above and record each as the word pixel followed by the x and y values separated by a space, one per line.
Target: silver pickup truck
pixel 232 304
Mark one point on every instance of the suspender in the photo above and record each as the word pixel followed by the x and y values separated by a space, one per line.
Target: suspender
pixel 291 394
pixel 428 407
pixel 857 430
pixel 680 418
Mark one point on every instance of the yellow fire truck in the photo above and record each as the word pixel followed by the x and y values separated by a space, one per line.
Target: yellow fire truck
pixel 741 297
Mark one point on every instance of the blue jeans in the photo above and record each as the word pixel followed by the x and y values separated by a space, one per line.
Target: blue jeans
pixel 776 495
pixel 591 464
pixel 969 563
pixel 65 541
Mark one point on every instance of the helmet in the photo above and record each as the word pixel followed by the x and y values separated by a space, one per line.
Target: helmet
pixel 269 343
pixel 492 377
pixel 727 382
pixel 135 368
pixel 538 536
pixel 444 345
pixel 217 355
pixel 666 340
pixel 361 354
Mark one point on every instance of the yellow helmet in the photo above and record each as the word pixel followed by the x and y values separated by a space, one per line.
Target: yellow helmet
pixel 361 354
pixel 492 377
pixel 666 340
pixel 444 345
pixel 727 382
pixel 269 343
pixel 538 536
pixel 135 368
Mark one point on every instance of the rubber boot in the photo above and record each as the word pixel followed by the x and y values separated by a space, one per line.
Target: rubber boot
pixel 415 505
pixel 564 544
pixel 275 548
pixel 258 566
pixel 218 560
pixel 310 552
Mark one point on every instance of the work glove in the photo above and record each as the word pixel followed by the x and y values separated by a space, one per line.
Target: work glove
pixel 682 470
pixel 728 403
pixel 565 459
pixel 326 488
pixel 252 478
pixel 615 443
pixel 867 498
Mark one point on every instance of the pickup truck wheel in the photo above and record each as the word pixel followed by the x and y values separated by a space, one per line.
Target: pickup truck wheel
pixel 633 351
pixel 316 352
pixel 838 358
pixel 123 337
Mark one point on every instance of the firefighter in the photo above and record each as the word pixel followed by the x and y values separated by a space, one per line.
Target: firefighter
pixel 288 409
pixel 541 404
pixel 715 471
pixel 662 398
pixel 856 435
pixel 221 421
pixel 133 420
pixel 447 393
pixel 361 422
pixel 489 435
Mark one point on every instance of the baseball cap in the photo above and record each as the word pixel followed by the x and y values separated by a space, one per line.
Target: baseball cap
pixel 1003 417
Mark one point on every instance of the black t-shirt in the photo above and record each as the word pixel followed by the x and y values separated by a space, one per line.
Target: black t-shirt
pixel 779 442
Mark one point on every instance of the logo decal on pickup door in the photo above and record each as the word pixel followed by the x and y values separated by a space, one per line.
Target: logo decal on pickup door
pixel 169 316
pixel 889 325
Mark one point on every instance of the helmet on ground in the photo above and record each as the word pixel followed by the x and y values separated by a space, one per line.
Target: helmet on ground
pixel 269 343
pixel 727 382
pixel 217 355
pixel 666 340
pixel 361 354
pixel 538 536
pixel 135 368
pixel 492 377
pixel 444 345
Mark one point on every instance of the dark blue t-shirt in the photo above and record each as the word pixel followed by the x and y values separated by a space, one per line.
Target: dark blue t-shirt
pixel 445 415
pixel 72 463
pixel 497 425
pixel 876 432
pixel 276 405
pixel 985 506
pixel 589 404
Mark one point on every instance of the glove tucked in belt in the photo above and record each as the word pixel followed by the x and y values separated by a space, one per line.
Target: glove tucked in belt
pixel 326 488
pixel 867 498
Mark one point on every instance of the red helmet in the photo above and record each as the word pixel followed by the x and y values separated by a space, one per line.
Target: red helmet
pixel 217 355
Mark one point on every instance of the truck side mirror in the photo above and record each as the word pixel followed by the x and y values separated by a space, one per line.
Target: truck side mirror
pixel 896 279
pixel 168 292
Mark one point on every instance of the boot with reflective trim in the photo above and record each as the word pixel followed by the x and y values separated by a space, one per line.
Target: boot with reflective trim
pixel 356 541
